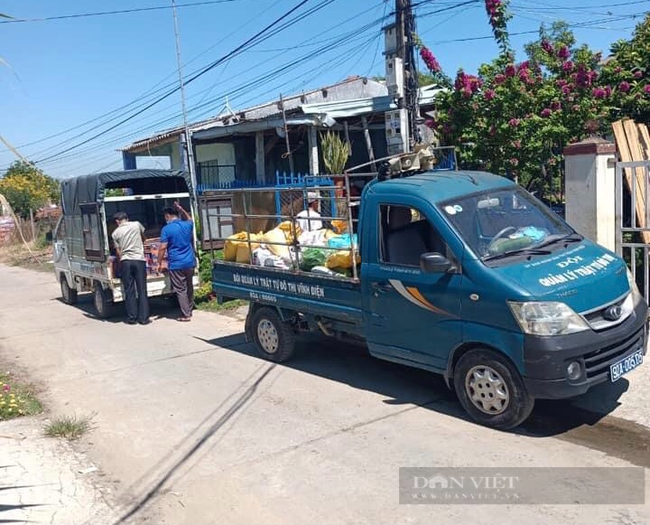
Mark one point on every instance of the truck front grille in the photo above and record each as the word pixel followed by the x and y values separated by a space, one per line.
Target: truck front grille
pixel 597 363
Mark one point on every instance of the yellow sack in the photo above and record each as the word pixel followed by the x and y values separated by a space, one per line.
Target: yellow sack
pixel 340 226
pixel 244 253
pixel 234 242
pixel 280 246
pixel 287 229
pixel 341 259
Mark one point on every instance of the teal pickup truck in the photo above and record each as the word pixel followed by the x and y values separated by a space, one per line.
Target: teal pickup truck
pixel 467 275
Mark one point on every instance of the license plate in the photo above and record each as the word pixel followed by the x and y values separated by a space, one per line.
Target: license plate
pixel 625 365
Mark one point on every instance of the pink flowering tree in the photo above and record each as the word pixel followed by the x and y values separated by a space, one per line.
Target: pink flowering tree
pixel 435 74
pixel 628 73
pixel 516 118
pixel 498 15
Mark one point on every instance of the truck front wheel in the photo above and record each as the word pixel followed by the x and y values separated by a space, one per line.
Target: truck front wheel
pixel 275 339
pixel 491 390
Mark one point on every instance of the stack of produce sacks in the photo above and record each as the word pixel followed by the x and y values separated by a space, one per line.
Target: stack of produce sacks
pixel 237 248
pixel 272 249
pixel 322 251
pixel 326 260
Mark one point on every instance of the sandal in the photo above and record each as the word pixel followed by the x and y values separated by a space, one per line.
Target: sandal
pixel 184 319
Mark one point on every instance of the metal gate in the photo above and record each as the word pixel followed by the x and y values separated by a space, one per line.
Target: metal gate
pixel 633 219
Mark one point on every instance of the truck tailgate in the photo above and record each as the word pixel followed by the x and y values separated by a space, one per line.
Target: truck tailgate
pixel 332 297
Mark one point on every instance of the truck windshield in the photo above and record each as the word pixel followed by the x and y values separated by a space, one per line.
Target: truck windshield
pixel 505 222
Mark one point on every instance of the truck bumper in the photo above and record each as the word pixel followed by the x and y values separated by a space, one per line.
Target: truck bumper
pixel 546 358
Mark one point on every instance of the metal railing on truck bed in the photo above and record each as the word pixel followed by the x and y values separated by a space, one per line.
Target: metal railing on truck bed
pixel 256 223
pixel 253 210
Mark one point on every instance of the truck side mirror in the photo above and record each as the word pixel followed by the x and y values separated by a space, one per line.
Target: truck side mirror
pixel 435 263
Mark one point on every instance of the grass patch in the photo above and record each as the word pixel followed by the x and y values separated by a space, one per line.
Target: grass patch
pixel 18 255
pixel 213 306
pixel 16 399
pixel 206 301
pixel 68 427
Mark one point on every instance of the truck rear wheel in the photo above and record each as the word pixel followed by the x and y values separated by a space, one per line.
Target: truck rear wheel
pixel 68 295
pixel 104 306
pixel 491 390
pixel 275 339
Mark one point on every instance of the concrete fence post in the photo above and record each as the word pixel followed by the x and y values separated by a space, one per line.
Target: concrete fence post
pixel 590 189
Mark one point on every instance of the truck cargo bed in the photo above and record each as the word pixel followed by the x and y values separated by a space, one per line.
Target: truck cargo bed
pixel 321 295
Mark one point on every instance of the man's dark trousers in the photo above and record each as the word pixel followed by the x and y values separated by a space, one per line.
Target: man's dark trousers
pixel 181 281
pixel 134 282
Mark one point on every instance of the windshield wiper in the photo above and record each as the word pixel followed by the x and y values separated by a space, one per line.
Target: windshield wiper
pixel 552 239
pixel 520 251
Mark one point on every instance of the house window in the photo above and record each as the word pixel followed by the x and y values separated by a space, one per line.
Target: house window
pixel 92 233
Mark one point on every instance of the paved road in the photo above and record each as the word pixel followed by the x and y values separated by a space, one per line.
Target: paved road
pixel 194 428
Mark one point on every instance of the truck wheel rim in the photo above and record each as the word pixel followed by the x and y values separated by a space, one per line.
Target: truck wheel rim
pixel 487 390
pixel 268 336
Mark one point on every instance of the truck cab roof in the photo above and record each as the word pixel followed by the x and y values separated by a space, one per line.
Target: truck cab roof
pixel 441 186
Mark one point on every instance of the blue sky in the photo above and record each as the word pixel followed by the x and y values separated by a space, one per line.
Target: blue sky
pixel 64 73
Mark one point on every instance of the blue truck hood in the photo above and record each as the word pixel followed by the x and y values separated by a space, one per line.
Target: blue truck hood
pixel 584 276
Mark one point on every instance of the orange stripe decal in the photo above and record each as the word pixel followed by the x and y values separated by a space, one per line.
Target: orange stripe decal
pixel 421 299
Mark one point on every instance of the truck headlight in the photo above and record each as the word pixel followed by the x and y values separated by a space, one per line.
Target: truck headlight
pixel 634 289
pixel 547 318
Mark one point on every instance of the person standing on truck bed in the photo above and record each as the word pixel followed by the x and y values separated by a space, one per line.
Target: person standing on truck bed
pixel 129 245
pixel 177 241
pixel 309 220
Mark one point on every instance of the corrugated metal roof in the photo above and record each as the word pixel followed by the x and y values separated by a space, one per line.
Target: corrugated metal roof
pixel 155 139
pixel 350 88
pixel 365 106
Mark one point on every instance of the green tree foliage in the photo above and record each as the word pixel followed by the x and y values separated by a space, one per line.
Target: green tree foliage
pixel 27 187
pixel 628 72
pixel 515 118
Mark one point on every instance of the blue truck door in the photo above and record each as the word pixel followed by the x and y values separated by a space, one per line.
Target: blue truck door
pixel 411 315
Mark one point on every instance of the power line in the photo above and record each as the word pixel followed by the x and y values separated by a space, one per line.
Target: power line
pixel 444 9
pixel 149 93
pixel 276 72
pixel 255 40
pixel 208 68
pixel 112 13
pixel 553 7
pixel 244 89
pixel 591 24
pixel 144 106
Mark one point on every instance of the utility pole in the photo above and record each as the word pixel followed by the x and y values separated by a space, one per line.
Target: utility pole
pixel 411 81
pixel 188 150
pixel 402 80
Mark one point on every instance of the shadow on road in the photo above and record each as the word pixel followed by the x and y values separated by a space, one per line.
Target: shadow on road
pixel 403 385
pixel 160 308
pixel 151 484
pixel 10 507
